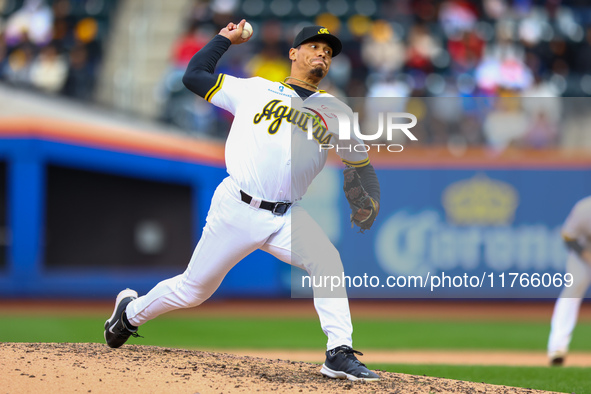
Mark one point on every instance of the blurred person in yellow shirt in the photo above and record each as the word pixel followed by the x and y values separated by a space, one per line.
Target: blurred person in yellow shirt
pixel 269 64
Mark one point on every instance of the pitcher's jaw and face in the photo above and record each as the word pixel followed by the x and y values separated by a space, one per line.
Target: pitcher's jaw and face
pixel 311 60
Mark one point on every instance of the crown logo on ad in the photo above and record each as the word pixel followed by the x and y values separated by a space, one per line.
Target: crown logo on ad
pixel 480 201
pixel 324 30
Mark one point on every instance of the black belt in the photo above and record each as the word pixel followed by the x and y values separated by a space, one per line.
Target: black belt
pixel 278 208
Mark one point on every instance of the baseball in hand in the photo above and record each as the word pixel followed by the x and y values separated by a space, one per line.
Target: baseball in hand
pixel 247 31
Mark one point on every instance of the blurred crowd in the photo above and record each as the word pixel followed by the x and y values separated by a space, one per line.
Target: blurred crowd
pixel 53 46
pixel 421 50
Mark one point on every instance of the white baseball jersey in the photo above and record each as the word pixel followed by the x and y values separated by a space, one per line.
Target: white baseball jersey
pixel 578 223
pixel 268 152
pixel 270 157
pixel 577 226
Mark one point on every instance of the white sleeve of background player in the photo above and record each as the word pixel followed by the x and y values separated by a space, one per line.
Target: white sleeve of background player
pixel 229 92
pixel 578 222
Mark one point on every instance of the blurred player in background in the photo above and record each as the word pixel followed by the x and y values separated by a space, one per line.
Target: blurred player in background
pixel 577 236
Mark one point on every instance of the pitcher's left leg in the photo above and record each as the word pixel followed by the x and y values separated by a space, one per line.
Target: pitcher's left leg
pixel 302 243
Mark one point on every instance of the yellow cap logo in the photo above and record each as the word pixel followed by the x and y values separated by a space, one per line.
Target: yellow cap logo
pixel 324 30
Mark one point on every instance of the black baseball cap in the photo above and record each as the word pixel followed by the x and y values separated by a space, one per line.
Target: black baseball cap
pixel 309 33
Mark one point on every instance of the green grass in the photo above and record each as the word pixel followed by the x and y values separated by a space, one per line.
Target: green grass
pixel 565 380
pixel 225 334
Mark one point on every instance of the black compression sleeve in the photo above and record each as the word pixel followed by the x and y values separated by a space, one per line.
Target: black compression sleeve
pixel 199 77
pixel 369 180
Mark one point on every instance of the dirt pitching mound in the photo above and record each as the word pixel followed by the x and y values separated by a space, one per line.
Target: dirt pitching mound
pixel 95 368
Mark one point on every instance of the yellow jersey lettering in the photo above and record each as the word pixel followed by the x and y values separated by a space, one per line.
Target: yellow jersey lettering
pixel 276 112
pixel 267 111
pixel 320 135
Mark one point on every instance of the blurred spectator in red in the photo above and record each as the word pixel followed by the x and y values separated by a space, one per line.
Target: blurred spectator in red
pixel 456 17
pixel 465 51
pixel 425 11
pixel 189 43
pixel 422 48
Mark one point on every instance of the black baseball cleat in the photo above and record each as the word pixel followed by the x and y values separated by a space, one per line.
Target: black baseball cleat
pixel 117 328
pixel 557 361
pixel 341 363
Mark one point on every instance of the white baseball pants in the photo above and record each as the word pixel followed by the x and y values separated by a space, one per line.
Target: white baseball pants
pixel 235 229
pixel 566 309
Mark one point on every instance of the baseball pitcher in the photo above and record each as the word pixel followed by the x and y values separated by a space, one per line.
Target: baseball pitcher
pixel 272 155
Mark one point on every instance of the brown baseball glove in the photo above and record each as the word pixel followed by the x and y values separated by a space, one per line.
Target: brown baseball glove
pixel 364 208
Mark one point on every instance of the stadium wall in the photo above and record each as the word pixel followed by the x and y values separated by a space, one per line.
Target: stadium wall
pixel 86 211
